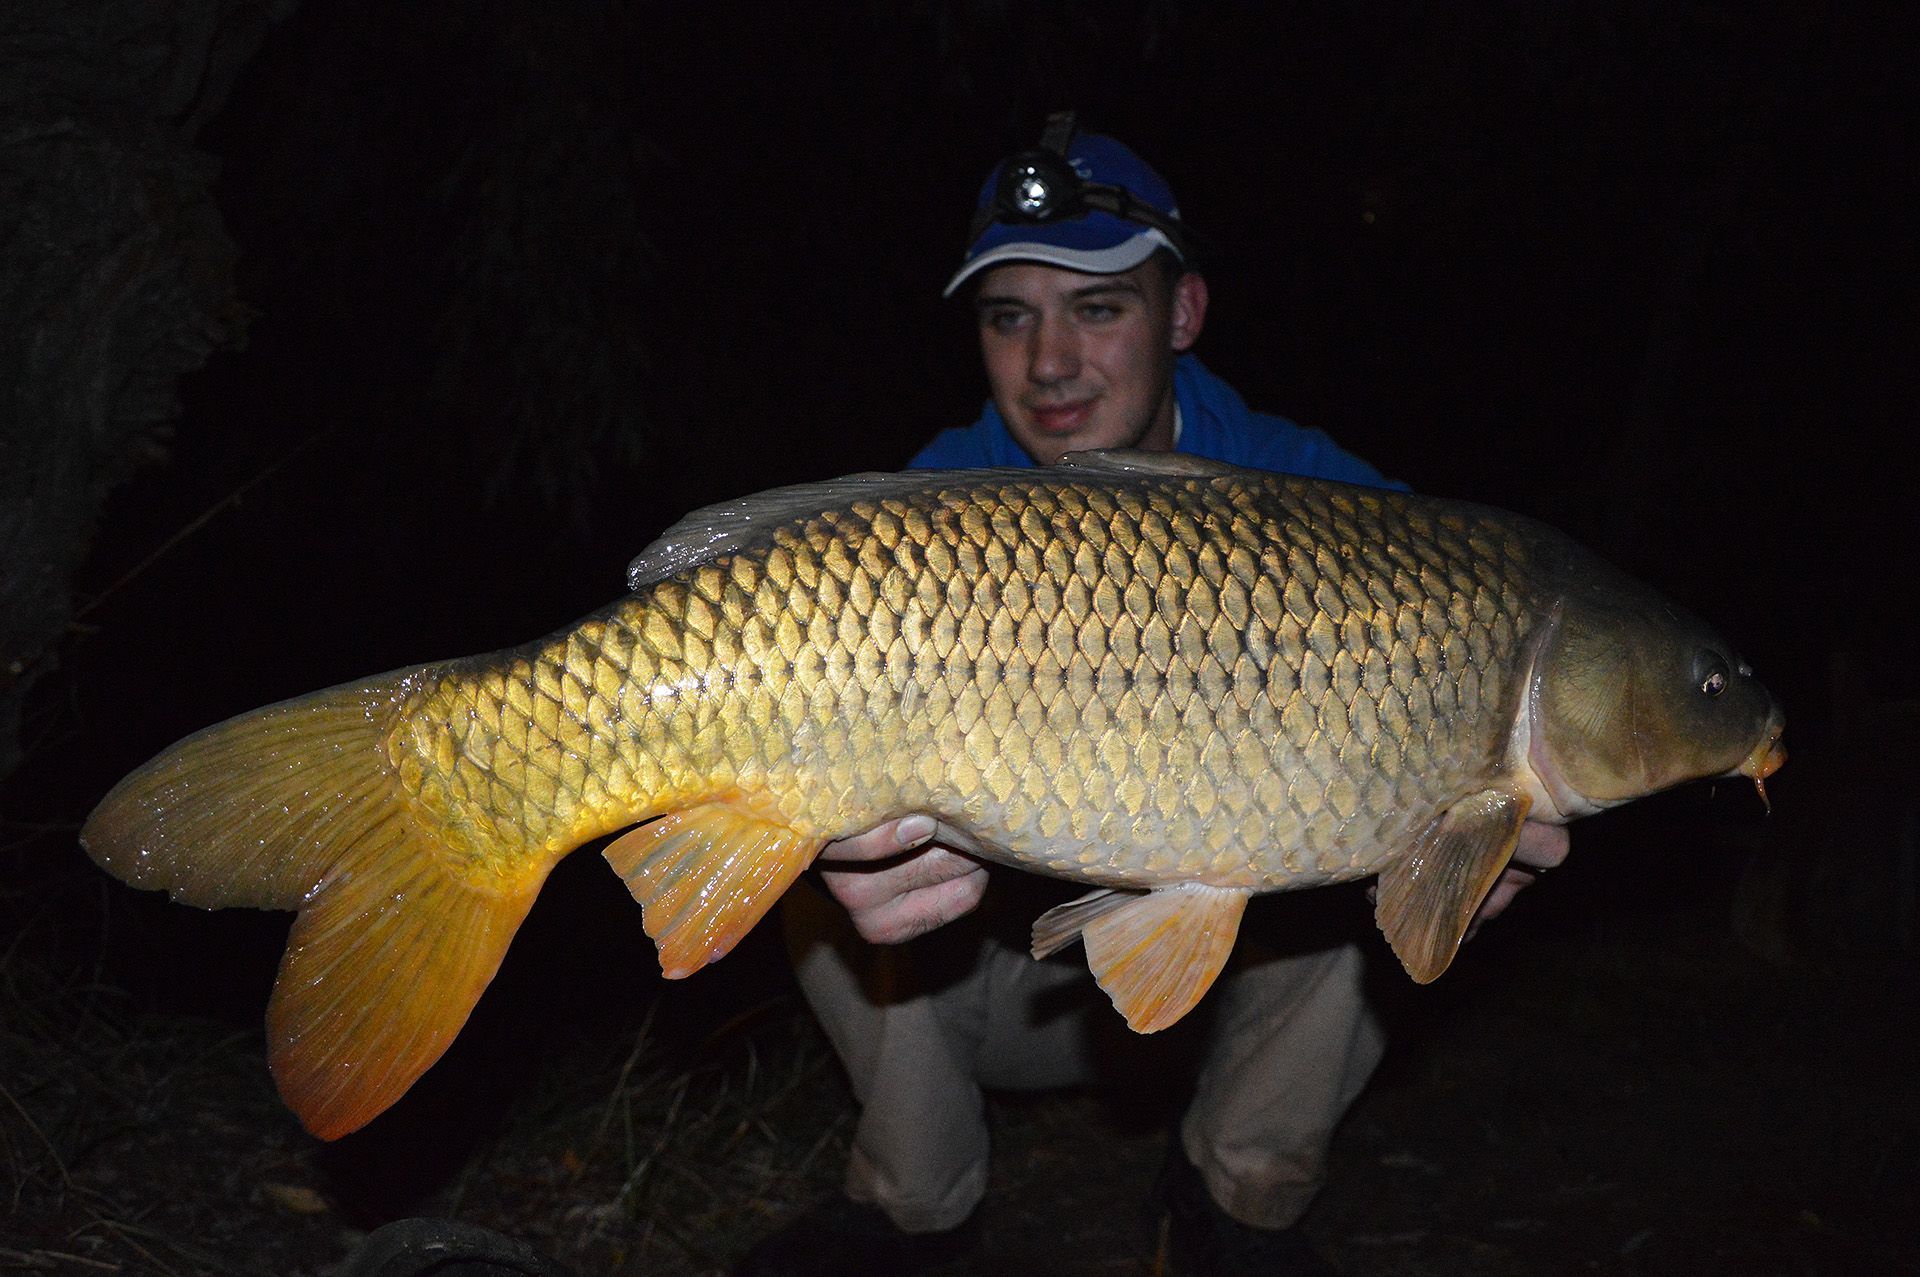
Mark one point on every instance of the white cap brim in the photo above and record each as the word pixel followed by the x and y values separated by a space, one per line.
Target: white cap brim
pixel 1105 261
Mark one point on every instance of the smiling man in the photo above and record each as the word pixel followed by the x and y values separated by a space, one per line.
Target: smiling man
pixel 1086 320
pixel 1081 277
pixel 1080 361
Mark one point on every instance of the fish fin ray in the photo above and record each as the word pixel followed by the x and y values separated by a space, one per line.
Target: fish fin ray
pixel 728 527
pixel 1061 925
pixel 740 523
pixel 1156 955
pixel 1179 465
pixel 382 970
pixel 704 876
pixel 255 810
pixel 1428 895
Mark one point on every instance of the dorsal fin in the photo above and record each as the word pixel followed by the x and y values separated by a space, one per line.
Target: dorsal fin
pixel 733 525
pixel 1180 465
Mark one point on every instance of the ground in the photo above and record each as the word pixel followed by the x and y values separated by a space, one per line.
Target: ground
pixel 1613 1079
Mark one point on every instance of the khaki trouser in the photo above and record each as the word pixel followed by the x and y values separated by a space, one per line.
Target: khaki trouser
pixel 1285 1040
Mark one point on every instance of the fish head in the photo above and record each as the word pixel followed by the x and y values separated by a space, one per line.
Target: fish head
pixel 1633 695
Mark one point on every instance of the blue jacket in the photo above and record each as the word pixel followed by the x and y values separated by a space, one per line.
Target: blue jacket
pixel 1215 422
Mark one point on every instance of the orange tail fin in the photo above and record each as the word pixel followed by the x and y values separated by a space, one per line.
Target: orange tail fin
pixel 297 806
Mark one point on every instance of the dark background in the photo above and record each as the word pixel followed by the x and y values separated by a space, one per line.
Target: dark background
pixel 527 290
pixel 526 286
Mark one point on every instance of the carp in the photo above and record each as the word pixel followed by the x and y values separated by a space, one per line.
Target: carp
pixel 1179 682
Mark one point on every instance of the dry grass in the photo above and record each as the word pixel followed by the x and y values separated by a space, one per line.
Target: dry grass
pixel 673 1160
pixel 149 1142
pixel 105 1113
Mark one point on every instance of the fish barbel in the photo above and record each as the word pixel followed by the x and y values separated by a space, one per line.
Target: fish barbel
pixel 1177 681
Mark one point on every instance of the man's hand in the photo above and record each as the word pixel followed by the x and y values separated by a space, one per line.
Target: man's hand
pixel 924 888
pixel 1541 847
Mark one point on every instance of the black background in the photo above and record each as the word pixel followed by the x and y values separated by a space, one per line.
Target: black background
pixel 1641 271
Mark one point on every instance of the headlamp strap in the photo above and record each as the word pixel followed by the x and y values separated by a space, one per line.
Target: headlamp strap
pixel 1058 134
pixel 1065 193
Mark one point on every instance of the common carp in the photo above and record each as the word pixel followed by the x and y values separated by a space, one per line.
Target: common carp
pixel 1179 682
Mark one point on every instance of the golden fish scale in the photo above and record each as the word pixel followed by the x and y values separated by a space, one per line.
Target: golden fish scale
pixel 1132 680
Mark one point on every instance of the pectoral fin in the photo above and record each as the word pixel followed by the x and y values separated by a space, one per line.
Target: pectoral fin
pixel 704 876
pixel 1155 954
pixel 1429 895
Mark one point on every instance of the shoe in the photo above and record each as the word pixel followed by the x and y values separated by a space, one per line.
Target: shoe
pixel 844 1236
pixel 1208 1242
pixel 445 1248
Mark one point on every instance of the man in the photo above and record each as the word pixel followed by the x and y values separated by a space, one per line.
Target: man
pixel 1080 276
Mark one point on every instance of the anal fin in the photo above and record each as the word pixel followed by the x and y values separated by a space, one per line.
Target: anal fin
pixel 1155 954
pixel 1428 896
pixel 704 876
pixel 1061 925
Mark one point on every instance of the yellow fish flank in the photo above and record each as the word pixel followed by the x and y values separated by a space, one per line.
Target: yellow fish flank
pixel 1177 681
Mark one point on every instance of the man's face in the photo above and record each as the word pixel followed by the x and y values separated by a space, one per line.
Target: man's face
pixel 1080 361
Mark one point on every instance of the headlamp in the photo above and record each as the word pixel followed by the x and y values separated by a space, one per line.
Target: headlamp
pixel 1041 185
pixel 1037 186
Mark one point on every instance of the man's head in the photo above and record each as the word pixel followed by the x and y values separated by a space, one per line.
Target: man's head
pixel 1084 294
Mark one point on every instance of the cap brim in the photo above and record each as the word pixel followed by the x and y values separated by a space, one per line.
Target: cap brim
pixel 1123 256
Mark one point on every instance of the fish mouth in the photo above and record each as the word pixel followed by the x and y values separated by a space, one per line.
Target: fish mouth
pixel 1766 759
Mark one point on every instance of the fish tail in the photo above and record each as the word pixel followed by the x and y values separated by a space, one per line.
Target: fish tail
pixel 401 925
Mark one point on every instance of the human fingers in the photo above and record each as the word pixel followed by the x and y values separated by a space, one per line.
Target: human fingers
pixel 894 917
pixel 1541 846
pixel 882 841
pixel 870 885
pixel 1512 882
pixel 894 886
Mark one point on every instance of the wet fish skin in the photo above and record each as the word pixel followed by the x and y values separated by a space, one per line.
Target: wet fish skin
pixel 1054 690
pixel 1143 672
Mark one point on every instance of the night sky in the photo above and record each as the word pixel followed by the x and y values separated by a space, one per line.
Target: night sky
pixel 525 293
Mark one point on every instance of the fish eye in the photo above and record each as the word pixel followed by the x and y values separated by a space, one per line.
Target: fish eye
pixel 1709 673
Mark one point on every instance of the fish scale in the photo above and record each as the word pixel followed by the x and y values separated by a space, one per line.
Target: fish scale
pixel 1177 682
pixel 779 674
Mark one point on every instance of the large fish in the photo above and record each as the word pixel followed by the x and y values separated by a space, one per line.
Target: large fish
pixel 1179 682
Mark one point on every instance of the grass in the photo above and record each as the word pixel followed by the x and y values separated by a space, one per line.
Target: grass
pixel 146 1141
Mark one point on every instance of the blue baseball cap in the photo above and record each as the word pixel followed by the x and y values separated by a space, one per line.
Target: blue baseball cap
pixel 1100 239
